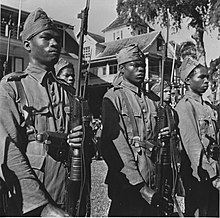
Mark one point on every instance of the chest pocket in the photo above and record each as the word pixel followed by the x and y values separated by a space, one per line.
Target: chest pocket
pixel 203 123
pixel 127 120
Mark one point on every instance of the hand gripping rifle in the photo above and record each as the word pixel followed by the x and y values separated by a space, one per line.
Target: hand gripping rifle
pixel 166 167
pixel 78 184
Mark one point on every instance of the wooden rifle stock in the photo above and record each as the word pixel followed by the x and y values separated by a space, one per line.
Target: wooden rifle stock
pixel 78 184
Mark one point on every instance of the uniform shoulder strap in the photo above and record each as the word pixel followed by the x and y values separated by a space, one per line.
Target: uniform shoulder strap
pixel 16 77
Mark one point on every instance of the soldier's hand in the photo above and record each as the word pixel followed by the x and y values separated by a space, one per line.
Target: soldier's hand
pixel 52 211
pixel 163 203
pixel 164 133
pixel 147 193
pixel 74 139
pixel 216 183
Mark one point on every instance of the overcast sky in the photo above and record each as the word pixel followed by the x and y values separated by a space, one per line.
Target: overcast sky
pixel 101 14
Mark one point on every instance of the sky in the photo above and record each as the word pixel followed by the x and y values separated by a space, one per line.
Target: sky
pixel 101 14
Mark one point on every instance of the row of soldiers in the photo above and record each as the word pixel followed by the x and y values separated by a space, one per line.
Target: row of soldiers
pixel 35 178
pixel 130 159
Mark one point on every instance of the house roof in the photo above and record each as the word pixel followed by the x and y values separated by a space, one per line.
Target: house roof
pixel 119 21
pixel 96 37
pixel 144 41
pixel 124 20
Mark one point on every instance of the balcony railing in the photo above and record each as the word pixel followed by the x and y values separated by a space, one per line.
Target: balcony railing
pixel 5 31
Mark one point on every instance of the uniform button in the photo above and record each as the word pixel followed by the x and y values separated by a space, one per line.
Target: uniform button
pixel 144 110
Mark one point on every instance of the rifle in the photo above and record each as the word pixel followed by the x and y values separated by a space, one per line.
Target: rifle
pixel 166 166
pixel 78 184
pixel 5 65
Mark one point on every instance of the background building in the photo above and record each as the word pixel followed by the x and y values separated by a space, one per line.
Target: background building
pixel 11 45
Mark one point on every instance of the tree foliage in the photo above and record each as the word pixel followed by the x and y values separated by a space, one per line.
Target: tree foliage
pixel 204 15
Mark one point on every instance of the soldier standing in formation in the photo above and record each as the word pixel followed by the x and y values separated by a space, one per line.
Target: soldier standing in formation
pixel 30 103
pixel 129 119
pixel 65 70
pixel 198 131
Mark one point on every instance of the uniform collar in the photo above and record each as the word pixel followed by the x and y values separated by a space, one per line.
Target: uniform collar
pixel 37 73
pixel 194 96
pixel 130 86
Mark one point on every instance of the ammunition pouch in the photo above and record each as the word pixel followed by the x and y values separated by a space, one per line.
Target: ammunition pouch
pixel 56 144
pixel 143 153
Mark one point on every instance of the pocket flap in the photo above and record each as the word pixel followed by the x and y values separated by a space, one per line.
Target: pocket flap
pixel 36 161
pixel 136 113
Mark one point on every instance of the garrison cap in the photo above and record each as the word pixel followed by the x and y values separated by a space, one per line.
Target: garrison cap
pixel 36 22
pixel 187 66
pixel 62 63
pixel 157 86
pixel 130 53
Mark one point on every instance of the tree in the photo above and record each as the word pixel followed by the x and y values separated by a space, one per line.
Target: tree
pixel 204 16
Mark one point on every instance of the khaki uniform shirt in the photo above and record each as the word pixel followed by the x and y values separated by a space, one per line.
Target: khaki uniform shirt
pixel 48 104
pixel 117 133
pixel 197 118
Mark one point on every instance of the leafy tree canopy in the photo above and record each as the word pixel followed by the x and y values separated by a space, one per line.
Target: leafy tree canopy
pixel 204 15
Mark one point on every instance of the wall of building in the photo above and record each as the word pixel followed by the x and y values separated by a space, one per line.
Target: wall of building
pixel 118 33
pixel 123 32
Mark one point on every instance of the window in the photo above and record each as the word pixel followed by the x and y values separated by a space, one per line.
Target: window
pixel 154 66
pixel 118 35
pixel 113 69
pixel 159 45
pixel 18 64
pixel 86 52
pixel 104 71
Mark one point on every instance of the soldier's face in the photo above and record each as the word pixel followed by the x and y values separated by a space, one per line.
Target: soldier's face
pixel 134 72
pixel 67 74
pixel 167 94
pixel 199 82
pixel 45 48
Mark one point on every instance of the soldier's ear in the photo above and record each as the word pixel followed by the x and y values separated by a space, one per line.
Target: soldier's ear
pixel 121 68
pixel 187 81
pixel 27 45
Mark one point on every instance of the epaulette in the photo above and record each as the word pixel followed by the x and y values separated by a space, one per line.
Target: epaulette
pixel 16 76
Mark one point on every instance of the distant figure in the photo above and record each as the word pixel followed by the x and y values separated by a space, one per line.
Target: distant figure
pixel 156 88
pixel 65 70
pixel 97 130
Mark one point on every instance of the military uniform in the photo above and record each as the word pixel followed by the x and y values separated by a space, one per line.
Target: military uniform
pixel 197 124
pixel 129 120
pixel 49 108
pixel 32 102
pixel 124 175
